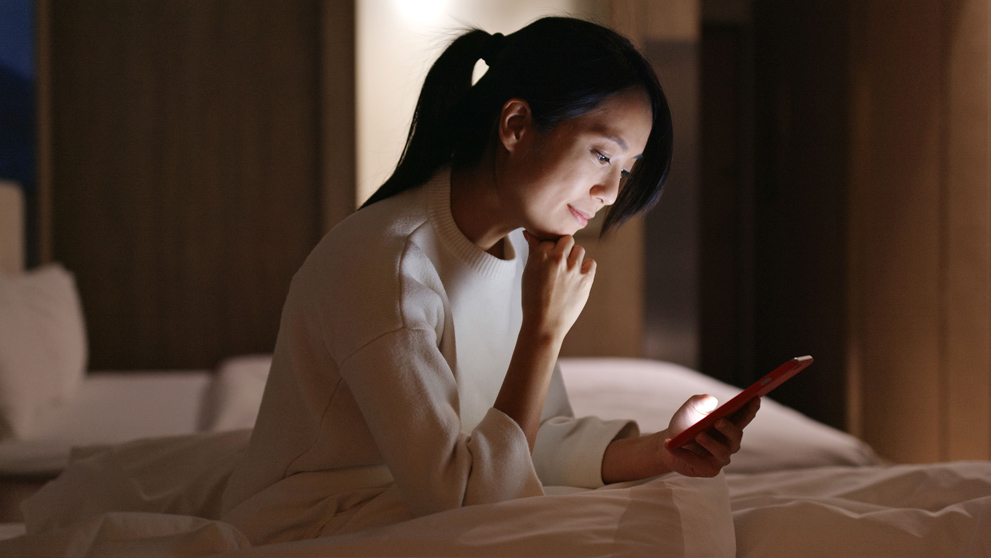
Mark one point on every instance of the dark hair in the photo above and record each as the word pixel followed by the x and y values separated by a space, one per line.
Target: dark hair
pixel 563 68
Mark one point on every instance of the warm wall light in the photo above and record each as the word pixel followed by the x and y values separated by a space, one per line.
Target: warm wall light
pixel 398 40
pixel 422 11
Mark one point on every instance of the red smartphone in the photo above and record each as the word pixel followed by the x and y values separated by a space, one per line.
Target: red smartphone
pixel 759 388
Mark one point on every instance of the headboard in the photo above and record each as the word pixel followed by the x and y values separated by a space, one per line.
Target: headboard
pixel 11 227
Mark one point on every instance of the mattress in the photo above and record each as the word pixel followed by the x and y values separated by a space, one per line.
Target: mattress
pixel 110 407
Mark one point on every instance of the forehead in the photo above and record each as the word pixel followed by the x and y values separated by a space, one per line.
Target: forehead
pixel 624 118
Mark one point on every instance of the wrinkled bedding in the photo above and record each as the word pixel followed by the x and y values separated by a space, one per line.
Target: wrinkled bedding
pixel 940 509
pixel 672 516
pixel 798 489
pixel 898 511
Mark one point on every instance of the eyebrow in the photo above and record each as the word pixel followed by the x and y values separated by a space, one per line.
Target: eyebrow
pixel 618 140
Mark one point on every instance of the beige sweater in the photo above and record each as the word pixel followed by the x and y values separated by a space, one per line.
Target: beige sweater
pixel 394 341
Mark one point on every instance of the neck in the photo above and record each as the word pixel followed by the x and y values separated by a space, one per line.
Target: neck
pixel 477 207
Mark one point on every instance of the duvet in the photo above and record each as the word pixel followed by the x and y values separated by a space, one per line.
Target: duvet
pixel 798 488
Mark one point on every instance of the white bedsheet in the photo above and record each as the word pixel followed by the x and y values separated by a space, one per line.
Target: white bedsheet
pixel 670 516
pixel 905 511
pixel 802 489
pixel 893 511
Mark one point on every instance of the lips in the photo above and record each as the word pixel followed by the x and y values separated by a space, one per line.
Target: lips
pixel 580 215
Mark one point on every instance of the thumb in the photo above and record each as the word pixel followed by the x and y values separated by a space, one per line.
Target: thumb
pixel 703 404
pixel 699 406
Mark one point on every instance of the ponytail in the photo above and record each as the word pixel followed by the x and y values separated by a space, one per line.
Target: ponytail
pixel 429 144
pixel 564 68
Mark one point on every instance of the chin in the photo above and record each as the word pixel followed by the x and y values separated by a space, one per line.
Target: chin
pixel 553 233
pixel 555 236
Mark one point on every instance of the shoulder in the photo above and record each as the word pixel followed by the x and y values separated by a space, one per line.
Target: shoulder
pixel 368 277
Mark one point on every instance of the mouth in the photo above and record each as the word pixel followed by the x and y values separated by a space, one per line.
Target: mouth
pixel 580 216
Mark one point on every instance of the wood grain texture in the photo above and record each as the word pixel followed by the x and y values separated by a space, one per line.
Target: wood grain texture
pixel 920 230
pixel 898 237
pixel 338 142
pixel 185 177
pixel 966 293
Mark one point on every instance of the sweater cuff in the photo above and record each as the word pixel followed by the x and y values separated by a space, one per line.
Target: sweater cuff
pixel 569 451
pixel 501 465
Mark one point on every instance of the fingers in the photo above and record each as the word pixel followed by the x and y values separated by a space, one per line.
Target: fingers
pixel 704 457
pixel 692 465
pixel 712 450
pixel 564 247
pixel 576 256
pixel 588 267
pixel 695 448
pixel 718 446
pixel 730 435
pixel 531 240
pixel 565 250
pixel 744 416
pixel 719 452
pixel 556 284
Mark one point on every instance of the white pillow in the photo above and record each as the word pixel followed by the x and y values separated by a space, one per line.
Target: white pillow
pixel 650 391
pixel 42 346
pixel 235 394
pixel 647 391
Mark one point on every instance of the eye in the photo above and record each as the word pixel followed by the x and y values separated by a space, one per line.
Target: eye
pixel 602 158
pixel 625 174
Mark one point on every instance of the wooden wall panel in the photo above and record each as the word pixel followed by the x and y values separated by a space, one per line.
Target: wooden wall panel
pixel 896 234
pixel 671 230
pixel 185 174
pixel 338 143
pixel 967 285
pixel 800 147
pixel 920 230
pixel 726 290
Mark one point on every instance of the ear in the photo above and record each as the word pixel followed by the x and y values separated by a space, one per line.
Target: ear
pixel 515 125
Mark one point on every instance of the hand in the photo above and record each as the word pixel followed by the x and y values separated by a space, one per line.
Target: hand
pixel 640 458
pixel 711 450
pixel 556 283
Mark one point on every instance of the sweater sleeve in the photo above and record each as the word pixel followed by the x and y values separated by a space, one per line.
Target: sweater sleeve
pixel 408 396
pixel 569 450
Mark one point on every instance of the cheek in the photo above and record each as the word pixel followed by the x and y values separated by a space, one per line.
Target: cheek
pixel 558 174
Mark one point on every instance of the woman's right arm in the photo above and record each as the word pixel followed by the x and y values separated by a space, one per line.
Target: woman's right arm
pixel 556 283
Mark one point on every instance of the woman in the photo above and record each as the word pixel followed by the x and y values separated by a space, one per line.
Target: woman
pixel 415 368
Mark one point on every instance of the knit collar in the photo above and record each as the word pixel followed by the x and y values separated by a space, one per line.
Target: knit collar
pixel 466 251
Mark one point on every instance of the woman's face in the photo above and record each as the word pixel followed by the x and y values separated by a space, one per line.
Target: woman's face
pixel 559 180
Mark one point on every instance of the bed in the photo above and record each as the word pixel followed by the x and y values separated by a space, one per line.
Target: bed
pixel 151 488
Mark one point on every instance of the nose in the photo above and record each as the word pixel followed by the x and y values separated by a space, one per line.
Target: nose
pixel 607 191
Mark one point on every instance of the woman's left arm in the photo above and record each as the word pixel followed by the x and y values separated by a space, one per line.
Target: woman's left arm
pixel 646 456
